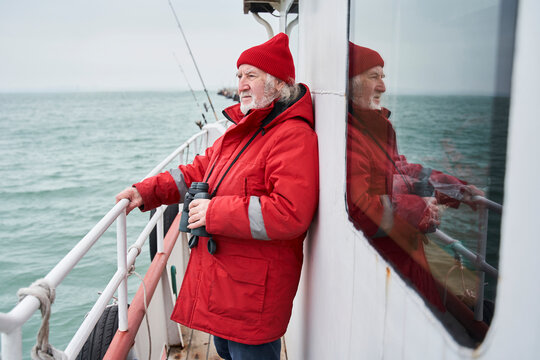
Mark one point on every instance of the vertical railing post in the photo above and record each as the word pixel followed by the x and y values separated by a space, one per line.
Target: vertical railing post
pixel 181 157
pixel 121 249
pixel 159 231
pixel 12 345
pixel 481 251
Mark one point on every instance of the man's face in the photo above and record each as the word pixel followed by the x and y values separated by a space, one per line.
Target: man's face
pixel 367 88
pixel 253 88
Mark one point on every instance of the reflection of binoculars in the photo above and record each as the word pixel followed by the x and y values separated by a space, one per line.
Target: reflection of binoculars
pixel 423 188
pixel 197 190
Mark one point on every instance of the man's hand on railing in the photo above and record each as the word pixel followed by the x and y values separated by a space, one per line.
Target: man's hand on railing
pixel 132 194
pixel 469 191
pixel 430 220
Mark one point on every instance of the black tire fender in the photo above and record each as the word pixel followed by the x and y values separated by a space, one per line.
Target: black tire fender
pixel 101 336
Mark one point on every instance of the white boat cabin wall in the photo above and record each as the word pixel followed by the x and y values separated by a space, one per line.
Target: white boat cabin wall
pixel 465 65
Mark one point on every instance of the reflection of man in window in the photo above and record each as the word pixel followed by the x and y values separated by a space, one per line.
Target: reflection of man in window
pixel 392 201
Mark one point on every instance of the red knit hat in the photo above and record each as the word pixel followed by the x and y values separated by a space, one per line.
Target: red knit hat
pixel 361 59
pixel 273 57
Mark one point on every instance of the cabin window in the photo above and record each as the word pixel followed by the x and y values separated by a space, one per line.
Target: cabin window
pixel 428 97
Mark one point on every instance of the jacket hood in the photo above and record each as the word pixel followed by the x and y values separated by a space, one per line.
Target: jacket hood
pixel 276 112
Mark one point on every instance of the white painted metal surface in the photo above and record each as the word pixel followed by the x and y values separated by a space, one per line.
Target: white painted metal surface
pixel 159 234
pixel 516 327
pixel 320 325
pixel 267 26
pixel 12 344
pixel 350 304
pixel 121 253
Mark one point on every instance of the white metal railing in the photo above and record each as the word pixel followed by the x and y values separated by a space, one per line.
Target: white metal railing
pixel 11 323
pixel 477 259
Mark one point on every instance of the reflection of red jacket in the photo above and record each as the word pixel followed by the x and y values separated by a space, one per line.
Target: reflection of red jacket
pixel 375 170
pixel 258 218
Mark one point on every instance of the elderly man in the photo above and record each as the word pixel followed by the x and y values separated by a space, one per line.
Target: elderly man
pixel 263 174
pixel 391 200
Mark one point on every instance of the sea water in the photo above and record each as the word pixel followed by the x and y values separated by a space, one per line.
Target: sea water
pixel 64 156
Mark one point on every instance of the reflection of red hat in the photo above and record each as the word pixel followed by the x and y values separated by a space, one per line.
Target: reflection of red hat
pixel 362 58
pixel 273 57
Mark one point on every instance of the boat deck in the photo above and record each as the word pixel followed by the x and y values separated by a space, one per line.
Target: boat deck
pixel 200 346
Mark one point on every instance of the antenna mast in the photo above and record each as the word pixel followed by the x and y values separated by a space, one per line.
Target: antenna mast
pixel 193 58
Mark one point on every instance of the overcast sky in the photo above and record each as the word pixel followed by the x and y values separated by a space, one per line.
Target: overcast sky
pixel 437 46
pixel 121 44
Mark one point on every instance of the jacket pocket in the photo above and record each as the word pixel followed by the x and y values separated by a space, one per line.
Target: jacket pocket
pixel 254 186
pixel 238 288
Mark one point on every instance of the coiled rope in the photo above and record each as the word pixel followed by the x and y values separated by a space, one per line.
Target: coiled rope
pixel 45 293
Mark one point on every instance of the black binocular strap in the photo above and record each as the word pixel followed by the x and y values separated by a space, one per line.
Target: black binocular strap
pixel 232 163
pixel 211 245
pixel 271 116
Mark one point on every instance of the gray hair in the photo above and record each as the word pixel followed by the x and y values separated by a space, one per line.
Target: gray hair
pixel 288 93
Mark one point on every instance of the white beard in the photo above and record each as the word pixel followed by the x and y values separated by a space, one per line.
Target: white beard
pixel 374 106
pixel 256 103
pixel 270 93
pixel 244 108
pixel 371 105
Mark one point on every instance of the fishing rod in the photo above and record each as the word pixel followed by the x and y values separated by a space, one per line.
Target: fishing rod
pixel 193 58
pixel 192 92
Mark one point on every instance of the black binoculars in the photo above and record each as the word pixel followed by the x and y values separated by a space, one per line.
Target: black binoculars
pixel 197 190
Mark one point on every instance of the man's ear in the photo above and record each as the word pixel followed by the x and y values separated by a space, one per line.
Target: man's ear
pixel 280 84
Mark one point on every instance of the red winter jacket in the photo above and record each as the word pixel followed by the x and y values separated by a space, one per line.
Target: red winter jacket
pixel 377 173
pixel 258 219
